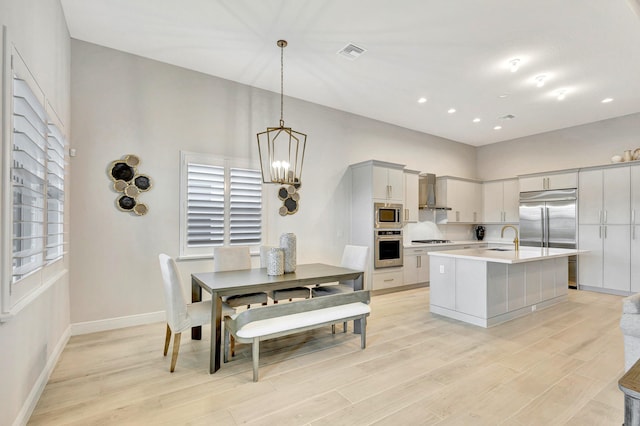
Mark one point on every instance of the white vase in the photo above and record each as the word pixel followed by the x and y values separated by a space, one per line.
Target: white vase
pixel 275 261
pixel 288 243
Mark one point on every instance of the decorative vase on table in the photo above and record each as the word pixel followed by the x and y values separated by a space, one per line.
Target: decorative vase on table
pixel 288 243
pixel 275 261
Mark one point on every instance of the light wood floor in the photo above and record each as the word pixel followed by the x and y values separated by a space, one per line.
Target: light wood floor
pixel 555 366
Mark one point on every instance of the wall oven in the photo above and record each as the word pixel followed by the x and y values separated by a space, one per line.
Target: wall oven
pixel 387 216
pixel 387 248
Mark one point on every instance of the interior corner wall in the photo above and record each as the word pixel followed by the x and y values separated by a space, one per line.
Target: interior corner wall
pixel 587 145
pixel 33 337
pixel 125 104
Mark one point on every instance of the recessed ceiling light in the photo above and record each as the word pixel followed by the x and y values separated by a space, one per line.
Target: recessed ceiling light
pixel 514 64
pixel 497 128
pixel 451 110
pixel 606 100
pixel 561 94
pixel 503 96
pixel 476 120
pixel 422 100
pixel 540 80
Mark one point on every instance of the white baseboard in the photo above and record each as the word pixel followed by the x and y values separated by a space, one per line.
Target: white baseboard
pixel 38 387
pixel 115 323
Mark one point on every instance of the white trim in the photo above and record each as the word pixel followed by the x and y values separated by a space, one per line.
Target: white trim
pixel 116 323
pixel 38 387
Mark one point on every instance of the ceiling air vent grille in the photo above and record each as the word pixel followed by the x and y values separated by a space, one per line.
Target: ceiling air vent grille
pixel 508 117
pixel 351 51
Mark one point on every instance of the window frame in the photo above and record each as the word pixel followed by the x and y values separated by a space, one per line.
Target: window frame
pixel 227 163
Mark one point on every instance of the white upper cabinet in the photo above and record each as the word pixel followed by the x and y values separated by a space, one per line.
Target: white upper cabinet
pixel 388 183
pixel 549 181
pixel 501 201
pixel 604 196
pixel 411 178
pixel 464 197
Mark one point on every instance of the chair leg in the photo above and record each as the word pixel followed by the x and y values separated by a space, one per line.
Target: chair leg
pixel 233 345
pixel 176 348
pixel 275 302
pixel 167 339
pixel 255 355
pixel 344 327
pixel 333 329
pixel 225 349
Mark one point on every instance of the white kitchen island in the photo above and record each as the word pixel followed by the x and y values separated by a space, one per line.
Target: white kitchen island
pixel 485 287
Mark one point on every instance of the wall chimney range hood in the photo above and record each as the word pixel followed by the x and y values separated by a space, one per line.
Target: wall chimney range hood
pixel 427 192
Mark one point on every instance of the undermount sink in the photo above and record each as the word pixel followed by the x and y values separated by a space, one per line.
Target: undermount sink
pixel 500 249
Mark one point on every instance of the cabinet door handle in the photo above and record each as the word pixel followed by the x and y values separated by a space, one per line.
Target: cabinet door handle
pixel 599 216
pixel 605 218
pixel 388 280
pixel 605 232
pixel 457 216
pixel 419 261
pixel 600 232
pixel 406 214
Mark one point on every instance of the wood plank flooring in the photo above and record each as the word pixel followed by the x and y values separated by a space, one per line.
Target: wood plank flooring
pixel 558 365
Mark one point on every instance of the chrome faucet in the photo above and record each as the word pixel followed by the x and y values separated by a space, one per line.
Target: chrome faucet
pixel 516 241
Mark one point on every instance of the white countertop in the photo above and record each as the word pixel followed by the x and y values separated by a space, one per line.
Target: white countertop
pixel 452 243
pixel 525 254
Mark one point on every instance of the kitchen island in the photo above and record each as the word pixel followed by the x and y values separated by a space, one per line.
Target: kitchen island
pixel 485 287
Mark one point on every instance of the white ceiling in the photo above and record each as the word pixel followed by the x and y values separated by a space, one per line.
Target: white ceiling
pixel 453 52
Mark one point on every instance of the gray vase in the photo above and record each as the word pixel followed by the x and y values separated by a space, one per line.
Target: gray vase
pixel 288 243
pixel 275 261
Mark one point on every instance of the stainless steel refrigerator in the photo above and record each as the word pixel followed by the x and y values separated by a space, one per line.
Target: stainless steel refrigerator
pixel 548 219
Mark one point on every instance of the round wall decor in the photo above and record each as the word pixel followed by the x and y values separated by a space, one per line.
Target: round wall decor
pixel 290 198
pixel 130 184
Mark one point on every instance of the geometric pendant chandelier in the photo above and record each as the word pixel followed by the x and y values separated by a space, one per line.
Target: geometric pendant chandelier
pixel 281 148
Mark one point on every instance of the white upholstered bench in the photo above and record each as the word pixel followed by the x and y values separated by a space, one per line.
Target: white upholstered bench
pixel 268 322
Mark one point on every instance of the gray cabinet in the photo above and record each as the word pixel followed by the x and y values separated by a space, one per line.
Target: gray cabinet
pixel 540 182
pixel 411 178
pixel 463 196
pixel 500 200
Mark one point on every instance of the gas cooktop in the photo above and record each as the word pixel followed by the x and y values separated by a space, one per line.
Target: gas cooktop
pixel 431 241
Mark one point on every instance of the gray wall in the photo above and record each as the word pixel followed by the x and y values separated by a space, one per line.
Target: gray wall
pixel 32 337
pixel 581 146
pixel 124 104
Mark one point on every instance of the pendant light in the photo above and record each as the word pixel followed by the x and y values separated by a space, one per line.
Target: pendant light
pixel 281 148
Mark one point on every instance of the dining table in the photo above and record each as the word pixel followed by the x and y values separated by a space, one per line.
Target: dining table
pixel 229 283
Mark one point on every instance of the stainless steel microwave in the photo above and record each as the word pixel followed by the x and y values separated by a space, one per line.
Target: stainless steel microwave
pixel 387 215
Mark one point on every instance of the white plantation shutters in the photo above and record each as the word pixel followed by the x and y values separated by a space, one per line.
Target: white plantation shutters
pixel 55 194
pixel 245 206
pixel 222 205
pixel 205 205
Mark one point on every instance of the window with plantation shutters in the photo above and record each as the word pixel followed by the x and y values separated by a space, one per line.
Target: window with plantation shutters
pixel 205 205
pixel 245 206
pixel 55 194
pixel 221 204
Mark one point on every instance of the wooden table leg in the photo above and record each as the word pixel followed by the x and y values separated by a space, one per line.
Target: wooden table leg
pixel 196 296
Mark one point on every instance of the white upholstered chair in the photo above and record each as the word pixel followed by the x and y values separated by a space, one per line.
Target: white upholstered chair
pixel 180 316
pixel 630 326
pixel 354 257
pixel 236 258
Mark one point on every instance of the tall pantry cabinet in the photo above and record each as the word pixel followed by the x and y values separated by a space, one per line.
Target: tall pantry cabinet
pixel 604 228
pixel 372 182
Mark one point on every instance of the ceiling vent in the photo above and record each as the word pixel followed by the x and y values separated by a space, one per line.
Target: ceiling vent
pixel 351 51
pixel 507 117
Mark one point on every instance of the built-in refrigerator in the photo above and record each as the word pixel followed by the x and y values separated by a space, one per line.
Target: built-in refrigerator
pixel 548 219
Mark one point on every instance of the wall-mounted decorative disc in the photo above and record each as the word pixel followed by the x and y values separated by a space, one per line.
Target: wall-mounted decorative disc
pixel 290 198
pixel 127 181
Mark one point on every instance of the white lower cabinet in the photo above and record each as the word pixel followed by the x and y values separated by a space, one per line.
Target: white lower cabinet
pixel 415 266
pixel 387 278
pixel 607 263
